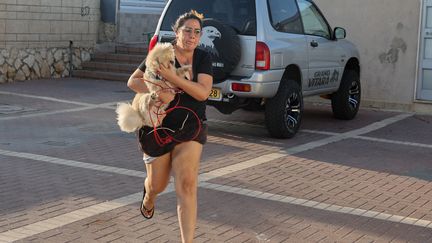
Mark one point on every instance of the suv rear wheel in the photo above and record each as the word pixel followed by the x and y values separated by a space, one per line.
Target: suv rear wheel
pixel 283 113
pixel 346 101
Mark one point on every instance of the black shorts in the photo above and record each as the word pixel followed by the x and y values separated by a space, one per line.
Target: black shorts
pixel 168 140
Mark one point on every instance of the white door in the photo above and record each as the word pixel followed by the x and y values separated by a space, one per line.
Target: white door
pixel 325 70
pixel 424 87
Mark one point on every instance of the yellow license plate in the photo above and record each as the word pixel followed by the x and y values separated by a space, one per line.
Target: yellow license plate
pixel 215 94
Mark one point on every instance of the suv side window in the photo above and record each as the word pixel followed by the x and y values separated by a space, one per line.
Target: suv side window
pixel 284 16
pixel 313 22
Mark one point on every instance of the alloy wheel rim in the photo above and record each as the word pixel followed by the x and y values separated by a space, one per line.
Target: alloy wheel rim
pixel 354 95
pixel 292 110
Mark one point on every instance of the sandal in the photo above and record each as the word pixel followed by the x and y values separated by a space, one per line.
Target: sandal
pixel 146 213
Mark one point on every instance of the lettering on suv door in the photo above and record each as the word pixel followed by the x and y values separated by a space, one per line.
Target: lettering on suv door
pixel 323 78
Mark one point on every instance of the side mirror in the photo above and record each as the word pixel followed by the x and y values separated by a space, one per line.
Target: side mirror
pixel 339 33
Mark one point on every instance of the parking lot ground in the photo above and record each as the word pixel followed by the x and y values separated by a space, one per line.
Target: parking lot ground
pixel 68 174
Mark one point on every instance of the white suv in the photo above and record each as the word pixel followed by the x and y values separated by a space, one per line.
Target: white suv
pixel 268 54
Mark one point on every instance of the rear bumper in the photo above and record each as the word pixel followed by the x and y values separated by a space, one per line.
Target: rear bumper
pixel 264 84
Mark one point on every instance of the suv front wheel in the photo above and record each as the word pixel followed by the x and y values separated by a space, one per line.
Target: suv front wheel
pixel 346 101
pixel 283 112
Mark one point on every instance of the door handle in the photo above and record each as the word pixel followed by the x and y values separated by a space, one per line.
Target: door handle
pixel 314 43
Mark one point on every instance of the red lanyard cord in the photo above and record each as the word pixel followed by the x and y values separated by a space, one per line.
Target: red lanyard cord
pixel 161 141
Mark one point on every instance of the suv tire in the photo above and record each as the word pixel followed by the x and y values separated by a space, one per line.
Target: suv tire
pixel 283 112
pixel 346 101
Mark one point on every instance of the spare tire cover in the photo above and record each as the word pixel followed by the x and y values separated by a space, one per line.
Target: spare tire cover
pixel 223 44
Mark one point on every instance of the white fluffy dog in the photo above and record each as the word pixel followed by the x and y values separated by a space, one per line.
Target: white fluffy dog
pixel 145 108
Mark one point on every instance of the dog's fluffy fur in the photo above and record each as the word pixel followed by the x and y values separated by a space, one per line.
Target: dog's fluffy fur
pixel 143 110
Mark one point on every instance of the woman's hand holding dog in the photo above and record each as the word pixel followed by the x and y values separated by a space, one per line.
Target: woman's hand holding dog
pixel 199 90
pixel 168 73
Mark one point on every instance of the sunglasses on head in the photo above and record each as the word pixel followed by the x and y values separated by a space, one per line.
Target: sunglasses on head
pixel 189 30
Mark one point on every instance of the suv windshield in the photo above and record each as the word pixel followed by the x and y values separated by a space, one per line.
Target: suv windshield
pixel 239 14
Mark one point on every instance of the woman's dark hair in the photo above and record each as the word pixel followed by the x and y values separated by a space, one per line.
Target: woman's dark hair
pixel 186 16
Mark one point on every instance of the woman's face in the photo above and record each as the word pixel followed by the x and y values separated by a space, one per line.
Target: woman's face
pixel 188 36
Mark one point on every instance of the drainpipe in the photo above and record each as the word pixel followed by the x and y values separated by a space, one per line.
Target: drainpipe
pixel 70 58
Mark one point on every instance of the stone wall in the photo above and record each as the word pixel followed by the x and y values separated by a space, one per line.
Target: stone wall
pixel 35 36
pixel 24 64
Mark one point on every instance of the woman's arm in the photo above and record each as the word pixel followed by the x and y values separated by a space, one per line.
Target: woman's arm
pixel 136 82
pixel 199 90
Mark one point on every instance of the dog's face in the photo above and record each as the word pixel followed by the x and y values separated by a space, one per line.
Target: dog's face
pixel 162 53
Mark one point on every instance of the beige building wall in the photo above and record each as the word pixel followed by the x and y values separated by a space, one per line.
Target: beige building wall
pixel 386 33
pixel 48 23
pixel 35 37
pixel 136 28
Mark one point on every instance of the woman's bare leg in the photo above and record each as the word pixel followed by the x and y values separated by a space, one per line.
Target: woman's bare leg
pixel 158 175
pixel 185 163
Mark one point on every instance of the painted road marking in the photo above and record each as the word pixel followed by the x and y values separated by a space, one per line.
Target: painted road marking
pixel 46 113
pixel 240 166
pixel 72 163
pixel 74 216
pixel 381 140
pixel 421 145
pixel 318 205
pixel 109 105
pixel 46 98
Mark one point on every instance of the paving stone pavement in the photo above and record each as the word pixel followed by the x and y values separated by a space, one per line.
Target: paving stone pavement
pixel 68 174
